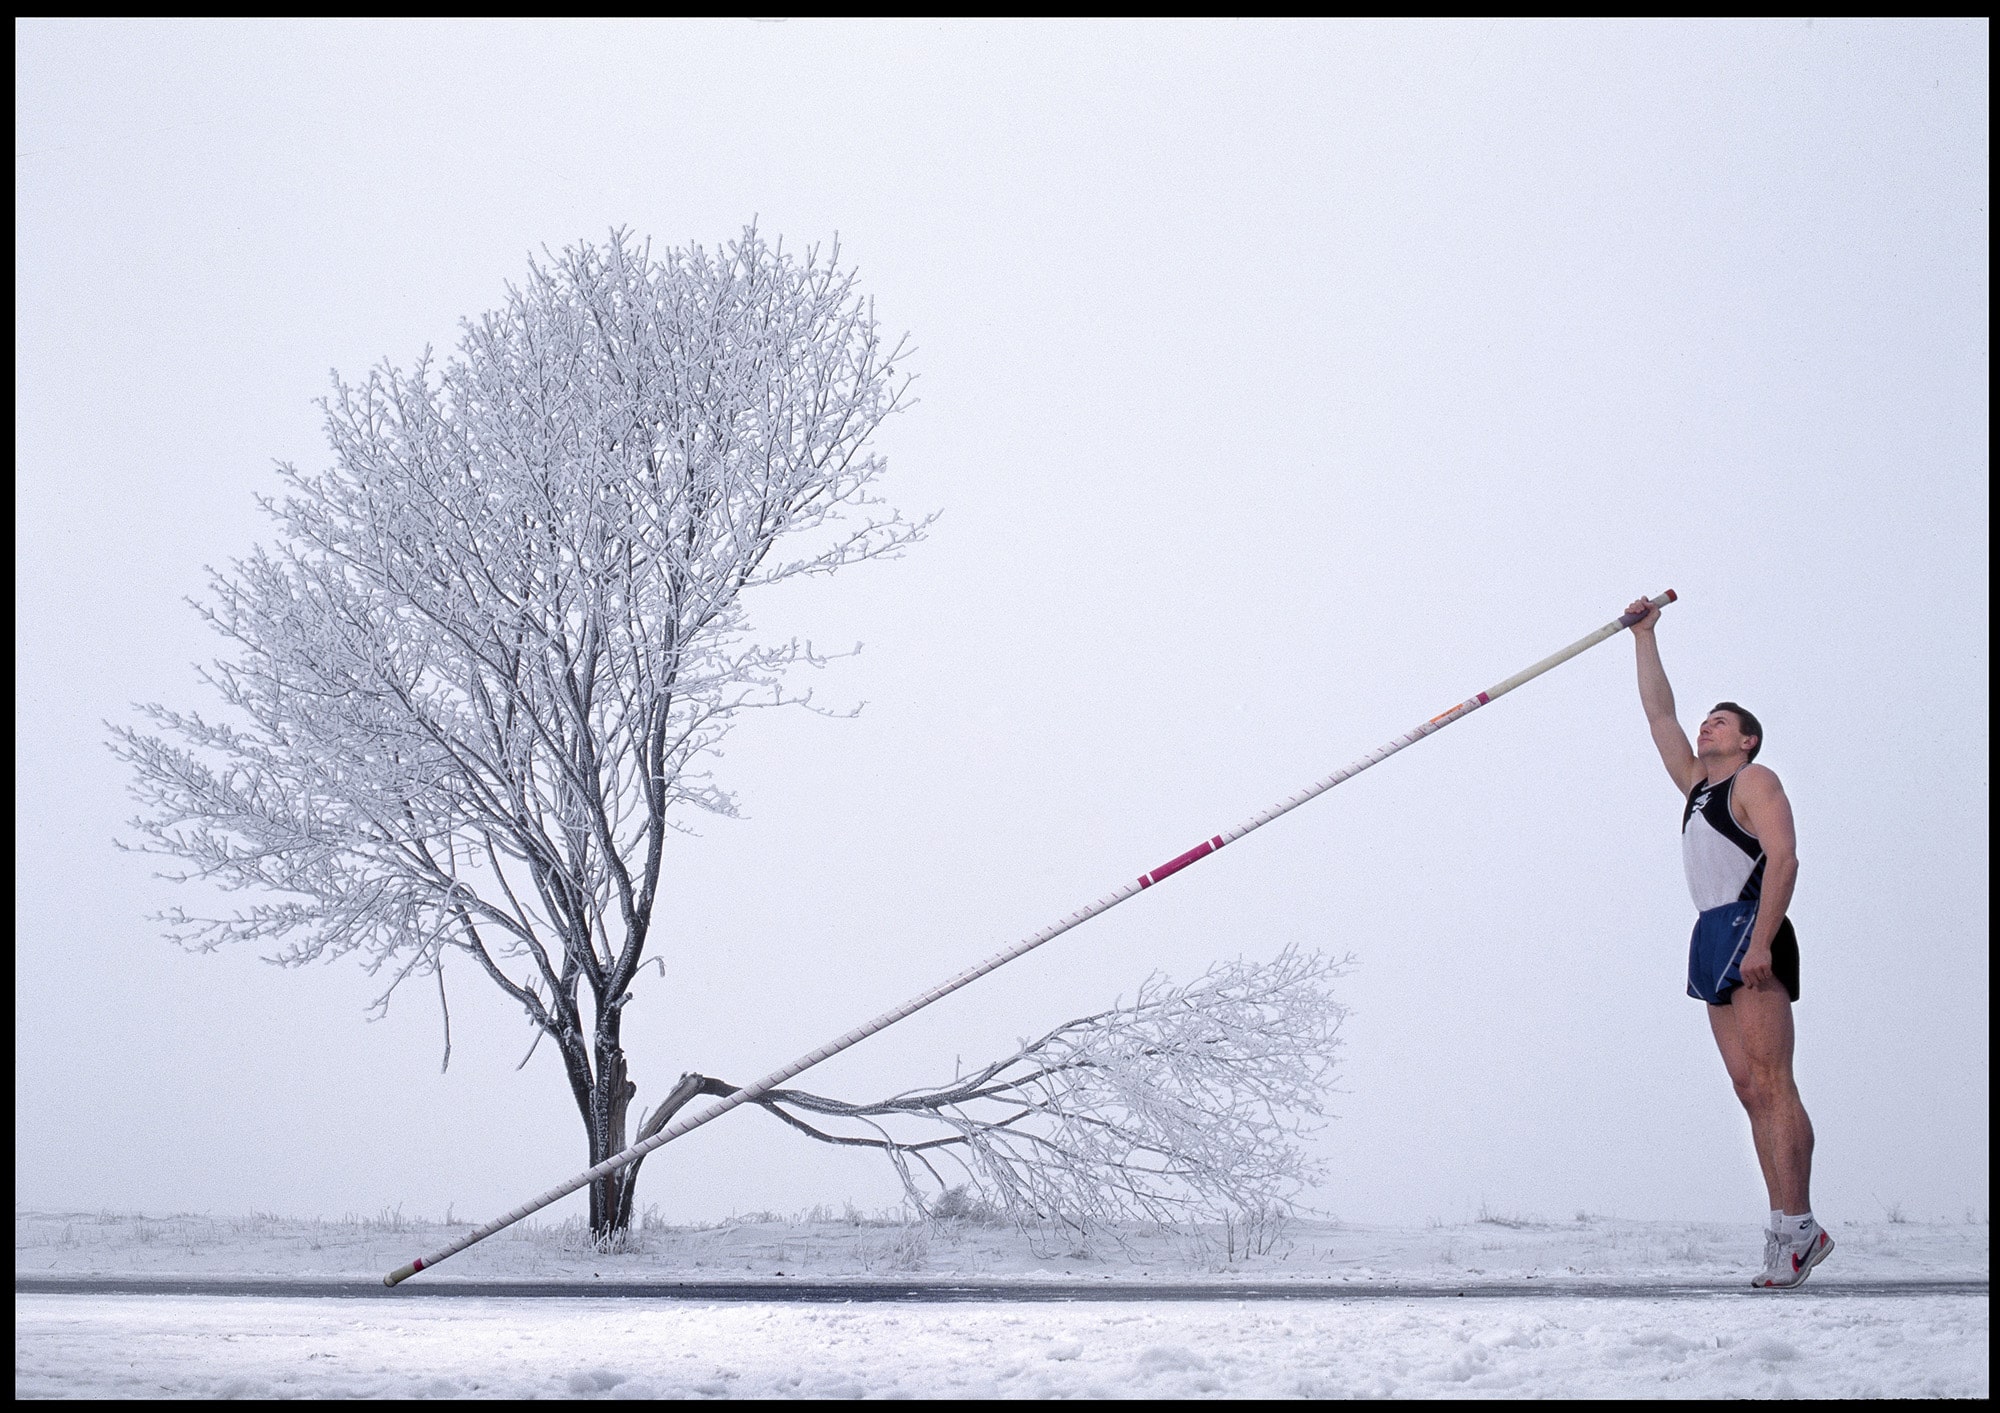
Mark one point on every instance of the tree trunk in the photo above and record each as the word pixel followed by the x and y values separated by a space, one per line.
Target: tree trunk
pixel 604 1104
pixel 610 1096
pixel 689 1086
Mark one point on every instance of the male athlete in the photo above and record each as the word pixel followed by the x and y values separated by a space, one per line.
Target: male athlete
pixel 1741 857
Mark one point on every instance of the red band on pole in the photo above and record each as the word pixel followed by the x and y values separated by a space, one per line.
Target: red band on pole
pixel 1176 864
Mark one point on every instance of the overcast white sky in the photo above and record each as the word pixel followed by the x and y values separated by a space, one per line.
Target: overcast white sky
pixel 1281 384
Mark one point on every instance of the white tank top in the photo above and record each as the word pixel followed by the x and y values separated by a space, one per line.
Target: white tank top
pixel 1725 863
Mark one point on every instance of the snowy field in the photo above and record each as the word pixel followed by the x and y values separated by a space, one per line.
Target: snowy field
pixel 1817 1343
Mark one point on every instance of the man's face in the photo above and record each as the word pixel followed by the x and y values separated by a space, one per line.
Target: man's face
pixel 1721 735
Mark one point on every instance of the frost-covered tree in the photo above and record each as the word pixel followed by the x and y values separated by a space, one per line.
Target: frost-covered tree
pixel 471 686
pixel 1184 1110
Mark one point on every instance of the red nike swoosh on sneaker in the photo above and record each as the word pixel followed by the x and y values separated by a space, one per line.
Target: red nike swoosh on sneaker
pixel 1799 1257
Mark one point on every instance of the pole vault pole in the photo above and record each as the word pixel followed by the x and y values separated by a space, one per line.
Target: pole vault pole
pixel 1028 944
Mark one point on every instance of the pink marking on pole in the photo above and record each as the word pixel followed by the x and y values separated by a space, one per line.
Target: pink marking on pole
pixel 1482 699
pixel 416 1265
pixel 1179 862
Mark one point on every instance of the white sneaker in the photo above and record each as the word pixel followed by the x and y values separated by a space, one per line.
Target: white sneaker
pixel 1774 1246
pixel 1789 1260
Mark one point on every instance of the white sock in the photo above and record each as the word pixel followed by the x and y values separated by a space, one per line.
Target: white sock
pixel 1797 1225
pixel 1777 1220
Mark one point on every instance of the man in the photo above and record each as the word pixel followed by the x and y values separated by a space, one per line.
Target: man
pixel 1742 860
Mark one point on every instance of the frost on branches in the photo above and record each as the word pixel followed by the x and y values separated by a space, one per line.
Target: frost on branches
pixel 1184 1110
pixel 470 687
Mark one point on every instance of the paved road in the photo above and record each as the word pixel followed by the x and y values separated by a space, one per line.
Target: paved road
pixel 945 1292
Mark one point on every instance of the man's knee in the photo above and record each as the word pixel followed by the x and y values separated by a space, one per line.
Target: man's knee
pixel 1748 1091
pixel 1764 1087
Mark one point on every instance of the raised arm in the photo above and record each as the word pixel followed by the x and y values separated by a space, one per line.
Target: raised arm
pixel 1658 700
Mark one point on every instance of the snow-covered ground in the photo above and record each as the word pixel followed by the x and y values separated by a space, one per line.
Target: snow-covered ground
pixel 1817 1344
pixel 154 1346
pixel 827 1246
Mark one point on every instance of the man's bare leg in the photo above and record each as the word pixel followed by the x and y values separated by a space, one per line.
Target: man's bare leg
pixel 1754 1034
pixel 1722 1021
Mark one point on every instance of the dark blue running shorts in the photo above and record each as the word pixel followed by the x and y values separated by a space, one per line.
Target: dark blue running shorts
pixel 1715 953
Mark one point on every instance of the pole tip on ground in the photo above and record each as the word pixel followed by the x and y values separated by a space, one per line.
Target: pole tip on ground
pixel 402 1273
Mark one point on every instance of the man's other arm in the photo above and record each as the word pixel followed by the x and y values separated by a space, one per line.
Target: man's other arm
pixel 1761 798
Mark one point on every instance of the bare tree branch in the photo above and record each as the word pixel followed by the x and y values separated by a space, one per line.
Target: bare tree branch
pixel 1185 1109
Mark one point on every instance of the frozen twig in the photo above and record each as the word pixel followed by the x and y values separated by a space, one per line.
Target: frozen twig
pixel 1184 1109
